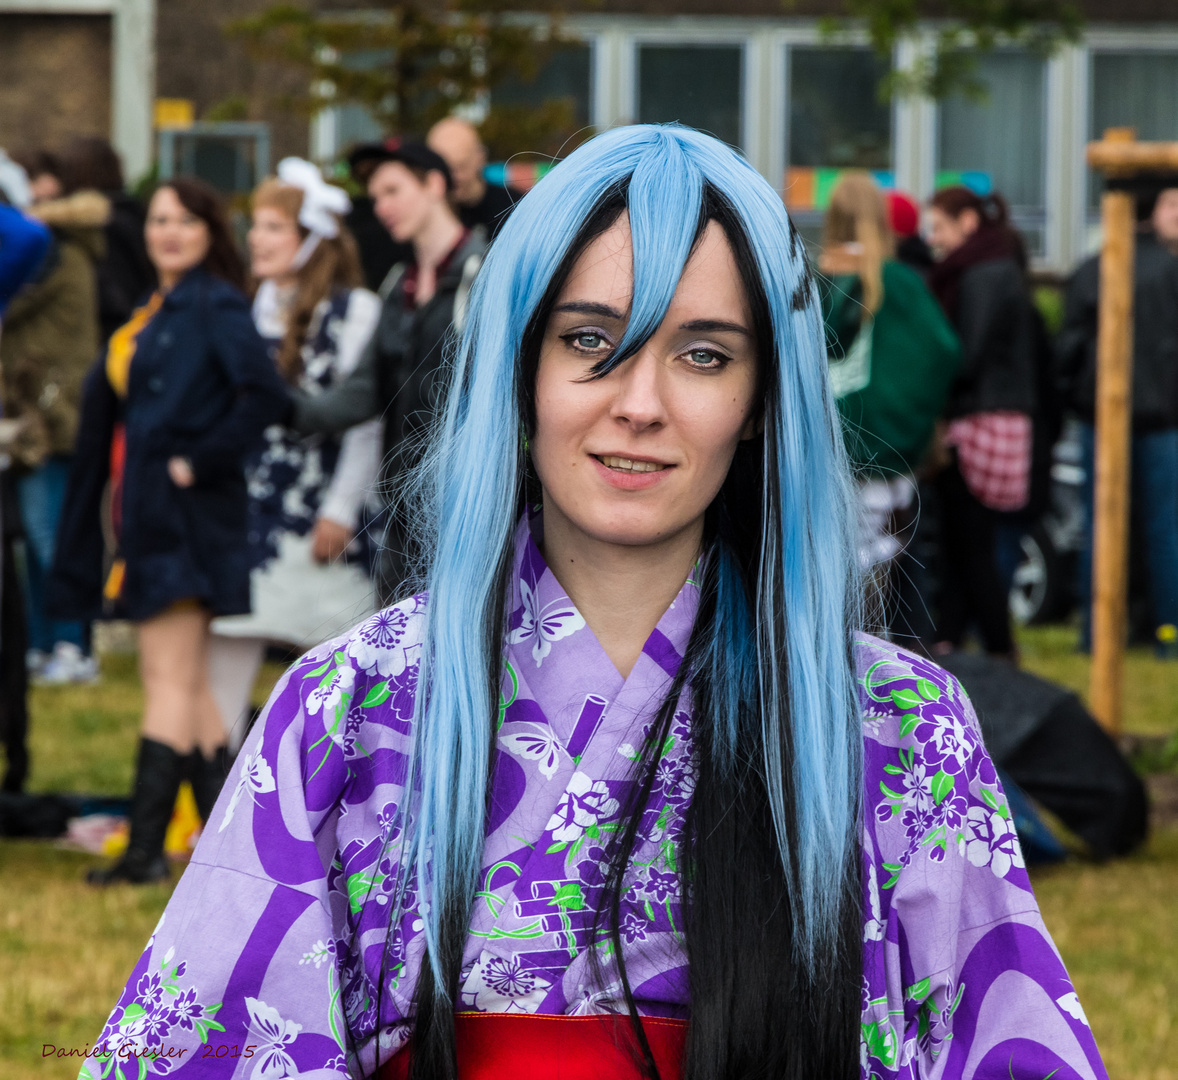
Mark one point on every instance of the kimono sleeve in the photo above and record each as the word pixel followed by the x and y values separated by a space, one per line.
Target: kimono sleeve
pixel 239 979
pixel 961 978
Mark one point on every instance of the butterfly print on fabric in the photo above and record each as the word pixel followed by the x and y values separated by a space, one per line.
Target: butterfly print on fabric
pixel 557 619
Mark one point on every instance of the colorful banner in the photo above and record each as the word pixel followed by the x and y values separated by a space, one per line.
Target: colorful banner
pixel 810 188
pixel 521 175
pixel 979 182
pixel 805 188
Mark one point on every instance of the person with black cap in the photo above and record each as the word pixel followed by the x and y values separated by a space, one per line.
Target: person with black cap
pixel 423 299
pixel 1155 398
pixel 379 252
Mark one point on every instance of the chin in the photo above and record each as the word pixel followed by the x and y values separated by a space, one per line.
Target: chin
pixel 631 529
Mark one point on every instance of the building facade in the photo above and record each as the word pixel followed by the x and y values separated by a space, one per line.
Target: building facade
pixel 801 104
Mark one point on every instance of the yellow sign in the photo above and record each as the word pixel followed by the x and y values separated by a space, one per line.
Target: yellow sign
pixel 174 113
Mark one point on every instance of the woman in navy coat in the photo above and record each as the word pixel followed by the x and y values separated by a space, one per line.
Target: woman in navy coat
pixel 185 389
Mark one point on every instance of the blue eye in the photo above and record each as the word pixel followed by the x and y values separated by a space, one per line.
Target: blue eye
pixel 586 341
pixel 705 358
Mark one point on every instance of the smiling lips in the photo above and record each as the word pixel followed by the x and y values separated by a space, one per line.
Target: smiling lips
pixel 630 465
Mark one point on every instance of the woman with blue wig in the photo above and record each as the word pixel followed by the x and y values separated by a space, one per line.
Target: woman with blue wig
pixel 622 790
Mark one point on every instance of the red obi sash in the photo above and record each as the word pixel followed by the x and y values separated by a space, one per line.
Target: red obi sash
pixel 523 1046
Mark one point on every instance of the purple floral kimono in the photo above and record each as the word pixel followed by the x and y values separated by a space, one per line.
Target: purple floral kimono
pixel 280 923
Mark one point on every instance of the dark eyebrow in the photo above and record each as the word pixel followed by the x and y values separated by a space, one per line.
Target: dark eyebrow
pixel 712 326
pixel 588 307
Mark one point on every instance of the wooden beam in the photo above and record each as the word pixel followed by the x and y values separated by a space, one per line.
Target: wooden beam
pixel 1116 157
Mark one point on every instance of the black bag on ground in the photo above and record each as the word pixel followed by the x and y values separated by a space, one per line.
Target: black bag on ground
pixel 1052 747
pixel 47 815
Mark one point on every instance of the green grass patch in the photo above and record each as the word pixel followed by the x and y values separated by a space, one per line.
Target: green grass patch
pixel 1151 686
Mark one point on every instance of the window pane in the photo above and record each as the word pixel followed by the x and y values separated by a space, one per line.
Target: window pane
pixel 836 122
pixel 698 85
pixel 566 77
pixel 1138 90
pixel 1000 140
pixel 1132 89
pixel 355 124
pixel 836 119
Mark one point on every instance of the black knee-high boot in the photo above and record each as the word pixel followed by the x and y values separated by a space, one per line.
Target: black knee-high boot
pixel 207 777
pixel 157 780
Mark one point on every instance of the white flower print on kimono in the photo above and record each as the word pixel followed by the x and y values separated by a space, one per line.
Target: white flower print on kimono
pixel 557 619
pixel 992 841
pixel 375 645
pixel 328 695
pixel 502 984
pixel 585 802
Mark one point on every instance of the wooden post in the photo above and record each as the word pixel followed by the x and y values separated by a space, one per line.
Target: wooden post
pixel 1119 156
pixel 1114 407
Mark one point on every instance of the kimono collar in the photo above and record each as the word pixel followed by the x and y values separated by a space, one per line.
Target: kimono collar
pixel 546 632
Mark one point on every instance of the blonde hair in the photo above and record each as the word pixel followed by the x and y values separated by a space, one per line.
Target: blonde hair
pixel 334 265
pixel 858 215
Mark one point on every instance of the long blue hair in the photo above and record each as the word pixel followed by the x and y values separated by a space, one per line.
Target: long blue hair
pixel 769 662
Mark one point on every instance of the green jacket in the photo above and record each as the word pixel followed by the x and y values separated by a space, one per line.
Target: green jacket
pixel 50 337
pixel 899 384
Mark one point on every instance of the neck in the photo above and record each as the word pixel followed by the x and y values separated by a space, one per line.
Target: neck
pixel 437 238
pixel 476 193
pixel 622 591
pixel 168 280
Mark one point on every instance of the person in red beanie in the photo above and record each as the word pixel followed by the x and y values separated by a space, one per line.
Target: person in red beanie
pixel 904 218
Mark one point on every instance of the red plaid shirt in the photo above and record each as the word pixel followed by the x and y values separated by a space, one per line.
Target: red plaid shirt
pixel 994 455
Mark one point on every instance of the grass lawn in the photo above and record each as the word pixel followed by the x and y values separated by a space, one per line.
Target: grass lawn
pixel 66 949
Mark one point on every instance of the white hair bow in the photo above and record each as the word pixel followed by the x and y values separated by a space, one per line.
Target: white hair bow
pixel 323 203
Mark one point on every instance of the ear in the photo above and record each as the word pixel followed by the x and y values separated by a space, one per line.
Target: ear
pixel 753 426
pixel 436 183
pixel 969 221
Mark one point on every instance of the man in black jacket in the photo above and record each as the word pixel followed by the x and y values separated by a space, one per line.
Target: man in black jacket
pixel 1155 399
pixel 397 376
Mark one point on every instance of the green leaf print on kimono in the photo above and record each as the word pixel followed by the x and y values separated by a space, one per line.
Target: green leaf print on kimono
pixel 134 1040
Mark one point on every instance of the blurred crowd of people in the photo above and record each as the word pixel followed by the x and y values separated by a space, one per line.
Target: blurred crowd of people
pixel 954 391
pixel 203 443
pixel 206 442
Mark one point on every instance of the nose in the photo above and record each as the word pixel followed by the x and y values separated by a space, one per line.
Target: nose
pixel 638 398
